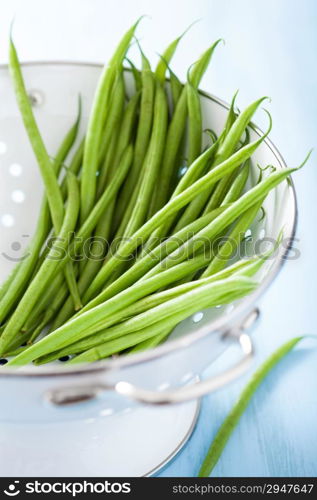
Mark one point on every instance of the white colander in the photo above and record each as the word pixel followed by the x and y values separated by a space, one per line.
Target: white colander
pixel 56 421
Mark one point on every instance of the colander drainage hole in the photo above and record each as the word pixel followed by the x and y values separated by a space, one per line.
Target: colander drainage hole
pixel 198 317
pixel 3 361
pixel 63 359
pixel 7 220
pixel 15 169
pixel 18 196
pixel 3 148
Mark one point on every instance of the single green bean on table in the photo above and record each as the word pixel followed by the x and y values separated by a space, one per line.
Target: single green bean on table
pixel 232 419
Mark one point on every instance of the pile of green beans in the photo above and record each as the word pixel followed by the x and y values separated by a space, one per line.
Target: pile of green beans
pixel 148 196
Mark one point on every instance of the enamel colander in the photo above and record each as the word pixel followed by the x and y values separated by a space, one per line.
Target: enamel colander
pixel 82 421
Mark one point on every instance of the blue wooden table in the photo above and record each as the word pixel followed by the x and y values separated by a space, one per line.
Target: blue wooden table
pixel 272 50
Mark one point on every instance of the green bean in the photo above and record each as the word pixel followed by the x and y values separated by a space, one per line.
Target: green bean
pixel 232 419
pixel 143 133
pixel 122 343
pixel 127 125
pixel 28 262
pixel 133 309
pixel 45 300
pixel 151 342
pixel 246 268
pixel 194 171
pixel 53 192
pixel 224 152
pixel 177 127
pixel 167 55
pixel 85 230
pixel 223 186
pixel 176 88
pixel 125 136
pixel 231 117
pixel 173 206
pixel 10 278
pixel 254 195
pixel 85 324
pixel 19 280
pixel 96 123
pixel 233 241
pixel 93 266
pixel 57 286
pixel 152 162
pixel 163 249
pixel 238 184
pixel 176 310
pixel 150 259
pixel 195 122
pixel 109 142
pixel 136 75
pixel 112 127
pixel 48 269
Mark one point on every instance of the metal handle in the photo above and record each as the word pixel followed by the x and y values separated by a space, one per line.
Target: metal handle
pixel 72 395
pixel 196 390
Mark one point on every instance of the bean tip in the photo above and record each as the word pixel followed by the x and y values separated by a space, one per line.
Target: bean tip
pixel 270 122
pixel 305 159
pixel 11 30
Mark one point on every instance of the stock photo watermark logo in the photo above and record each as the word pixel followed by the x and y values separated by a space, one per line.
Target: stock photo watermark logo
pixel 167 250
pixel 72 489
pixel 13 489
